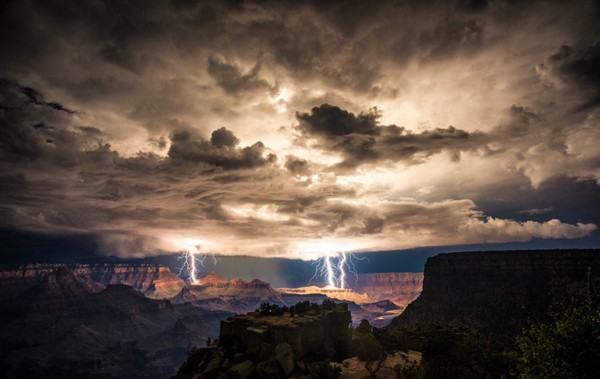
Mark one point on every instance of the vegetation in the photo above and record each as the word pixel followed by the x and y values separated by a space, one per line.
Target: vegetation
pixel 371 351
pixel 267 309
pixel 466 355
pixel 300 308
pixel 568 345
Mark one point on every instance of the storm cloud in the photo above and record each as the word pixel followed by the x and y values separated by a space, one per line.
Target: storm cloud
pixel 362 140
pixel 284 128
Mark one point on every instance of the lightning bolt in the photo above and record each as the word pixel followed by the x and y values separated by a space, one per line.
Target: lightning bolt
pixel 192 259
pixel 330 272
pixel 341 264
pixel 336 272
pixel 189 264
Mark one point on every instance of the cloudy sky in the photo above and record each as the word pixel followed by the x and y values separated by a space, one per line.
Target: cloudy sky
pixel 298 128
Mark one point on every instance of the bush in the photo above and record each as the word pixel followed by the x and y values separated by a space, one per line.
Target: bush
pixel 267 309
pixel 567 346
pixel 465 356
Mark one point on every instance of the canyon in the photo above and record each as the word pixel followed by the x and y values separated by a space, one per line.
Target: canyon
pixel 141 320
pixel 64 327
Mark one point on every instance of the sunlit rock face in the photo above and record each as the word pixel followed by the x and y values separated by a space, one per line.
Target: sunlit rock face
pixel 345 294
pixel 214 285
pixel 154 281
pixel 233 295
pixel 399 287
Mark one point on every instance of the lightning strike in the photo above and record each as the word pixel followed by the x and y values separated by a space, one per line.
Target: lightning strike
pixel 330 273
pixel 341 264
pixel 335 268
pixel 189 264
pixel 193 257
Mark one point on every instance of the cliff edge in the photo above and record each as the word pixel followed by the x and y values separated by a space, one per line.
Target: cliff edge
pixel 496 291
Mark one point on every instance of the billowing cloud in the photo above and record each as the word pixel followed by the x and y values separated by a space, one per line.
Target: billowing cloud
pixel 362 140
pixel 230 78
pixel 220 151
pixel 290 128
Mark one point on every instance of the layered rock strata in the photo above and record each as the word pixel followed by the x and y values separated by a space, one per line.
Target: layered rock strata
pixel 153 280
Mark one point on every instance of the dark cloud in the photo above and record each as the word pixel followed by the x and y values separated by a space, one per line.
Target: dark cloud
pixel 297 166
pixel 329 120
pixel 577 69
pixel 361 139
pixel 32 129
pixel 452 37
pixel 223 138
pixel 373 226
pixel 473 5
pixel 32 95
pixel 233 81
pixel 220 151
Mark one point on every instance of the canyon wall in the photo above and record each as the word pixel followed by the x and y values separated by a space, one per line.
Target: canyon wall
pixel 154 280
pixel 495 291
pixel 400 287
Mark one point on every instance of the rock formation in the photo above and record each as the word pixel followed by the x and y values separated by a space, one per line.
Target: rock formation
pixel 345 294
pixel 274 346
pixel 400 287
pixel 153 280
pixel 495 291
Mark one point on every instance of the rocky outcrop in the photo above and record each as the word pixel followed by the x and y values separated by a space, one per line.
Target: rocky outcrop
pixel 400 287
pixel 155 281
pixel 307 334
pixel 291 343
pixel 495 291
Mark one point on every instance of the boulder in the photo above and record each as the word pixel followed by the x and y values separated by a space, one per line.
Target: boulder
pixel 269 369
pixel 284 355
pixel 213 365
pixel 242 370
pixel 266 351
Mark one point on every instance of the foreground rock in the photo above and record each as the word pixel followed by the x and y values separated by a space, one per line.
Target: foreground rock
pixel 297 342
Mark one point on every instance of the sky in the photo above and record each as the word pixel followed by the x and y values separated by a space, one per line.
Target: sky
pixel 298 129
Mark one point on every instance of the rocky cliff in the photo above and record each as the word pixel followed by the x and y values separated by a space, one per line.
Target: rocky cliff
pixel 399 287
pixel 291 343
pixel 153 280
pixel 495 291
